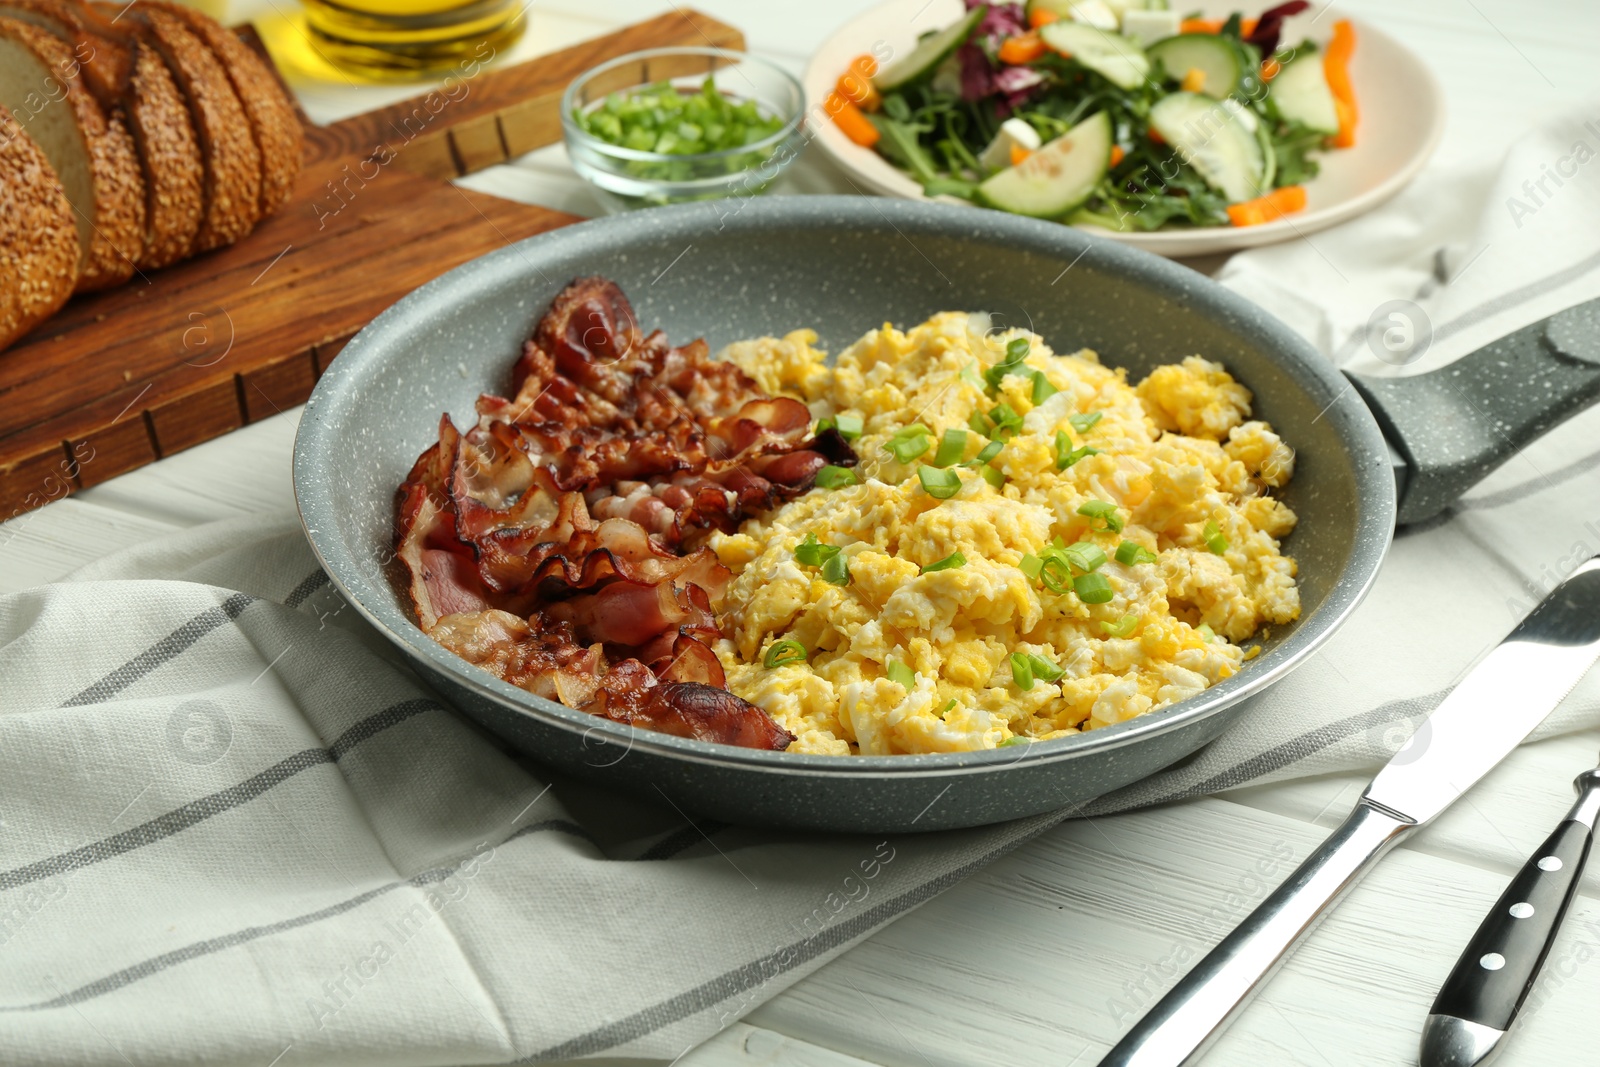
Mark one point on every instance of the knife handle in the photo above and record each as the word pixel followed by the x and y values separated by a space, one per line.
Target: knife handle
pixel 1478 1002
pixel 1185 1022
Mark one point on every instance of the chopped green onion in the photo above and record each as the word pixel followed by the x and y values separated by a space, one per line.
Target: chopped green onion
pixel 950 562
pixel 836 570
pixel 1017 349
pixel 831 477
pixel 993 475
pixel 1015 739
pixel 1031 565
pixel 1122 627
pixel 1055 574
pixel 906 449
pixel 952 446
pixel 1083 423
pixel 978 422
pixel 940 484
pixel 1104 510
pixel 812 553
pixel 1006 420
pixel 1066 455
pixel 899 672
pixel 969 374
pixel 1214 539
pixel 946 709
pixel 989 452
pixel 1084 555
pixel 1092 588
pixel 1016 352
pixel 1207 634
pixel 1129 553
pixel 1042 389
pixel 782 653
pixel 1025 667
pixel 849 426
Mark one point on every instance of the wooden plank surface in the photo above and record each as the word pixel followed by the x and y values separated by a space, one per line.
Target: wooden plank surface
pixel 122 378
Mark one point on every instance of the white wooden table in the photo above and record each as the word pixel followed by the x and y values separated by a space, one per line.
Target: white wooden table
pixel 1048 955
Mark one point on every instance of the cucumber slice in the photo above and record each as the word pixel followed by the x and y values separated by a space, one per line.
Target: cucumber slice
pixel 931 51
pixel 1211 139
pixel 1219 57
pixel 1301 92
pixel 1114 57
pixel 1056 178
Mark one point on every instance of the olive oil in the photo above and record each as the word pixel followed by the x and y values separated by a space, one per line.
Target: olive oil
pixel 399 40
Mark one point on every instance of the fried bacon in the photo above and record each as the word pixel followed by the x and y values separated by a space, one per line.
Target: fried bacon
pixel 554 542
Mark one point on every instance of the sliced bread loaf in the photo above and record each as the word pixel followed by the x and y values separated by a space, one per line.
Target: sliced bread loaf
pixel 91 152
pixel 39 249
pixel 126 74
pixel 228 150
pixel 274 122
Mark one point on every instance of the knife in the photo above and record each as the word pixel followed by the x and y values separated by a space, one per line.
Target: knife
pixel 1481 998
pixel 1503 697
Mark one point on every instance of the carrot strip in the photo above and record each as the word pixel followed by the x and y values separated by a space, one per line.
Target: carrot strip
pixel 1018 154
pixel 1270 68
pixel 1274 205
pixel 850 120
pixel 1040 17
pixel 1117 154
pixel 1022 49
pixel 864 65
pixel 1246 26
pixel 1336 69
pixel 858 90
pixel 1194 81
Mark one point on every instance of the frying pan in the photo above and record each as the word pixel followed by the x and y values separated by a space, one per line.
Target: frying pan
pixel 844 265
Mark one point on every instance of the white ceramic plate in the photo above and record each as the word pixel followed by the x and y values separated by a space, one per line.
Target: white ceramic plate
pixel 1402 116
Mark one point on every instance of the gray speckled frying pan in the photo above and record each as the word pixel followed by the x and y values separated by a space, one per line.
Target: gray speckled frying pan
pixel 843 265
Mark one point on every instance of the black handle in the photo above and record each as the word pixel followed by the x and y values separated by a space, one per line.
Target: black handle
pixel 1497 970
pixel 1456 424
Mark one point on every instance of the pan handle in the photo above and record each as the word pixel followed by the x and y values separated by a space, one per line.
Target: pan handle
pixel 1456 424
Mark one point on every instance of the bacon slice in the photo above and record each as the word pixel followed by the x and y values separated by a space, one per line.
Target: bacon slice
pixel 554 543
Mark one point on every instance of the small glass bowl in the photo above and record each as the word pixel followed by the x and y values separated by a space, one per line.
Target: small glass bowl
pixel 630 178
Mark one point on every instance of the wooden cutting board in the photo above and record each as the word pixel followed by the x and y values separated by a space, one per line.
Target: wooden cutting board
pixel 119 379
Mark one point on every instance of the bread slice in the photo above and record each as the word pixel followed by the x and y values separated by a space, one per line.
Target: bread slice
pixel 39 249
pixel 91 152
pixel 126 74
pixel 274 122
pixel 228 150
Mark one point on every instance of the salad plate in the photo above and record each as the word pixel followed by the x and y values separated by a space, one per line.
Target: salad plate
pixel 1398 100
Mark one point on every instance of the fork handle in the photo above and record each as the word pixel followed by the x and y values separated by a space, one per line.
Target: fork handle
pixel 1479 1001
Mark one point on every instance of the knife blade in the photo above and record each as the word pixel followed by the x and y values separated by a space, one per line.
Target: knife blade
pixel 1501 699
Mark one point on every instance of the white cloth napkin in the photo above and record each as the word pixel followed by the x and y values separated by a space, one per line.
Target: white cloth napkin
pixel 234 828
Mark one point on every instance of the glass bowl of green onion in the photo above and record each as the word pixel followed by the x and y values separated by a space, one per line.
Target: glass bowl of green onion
pixel 668 125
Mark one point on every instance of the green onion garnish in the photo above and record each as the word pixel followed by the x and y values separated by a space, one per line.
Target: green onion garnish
pixel 849 426
pixel 899 672
pixel 831 477
pixel 988 453
pixel 993 475
pixel 1207 634
pixel 1066 455
pixel 1129 554
pixel 1025 667
pixel 812 553
pixel 1031 565
pixel 908 442
pixel 940 484
pixel 946 709
pixel 1055 574
pixel 1092 588
pixel 1016 352
pixel 1006 421
pixel 1042 389
pixel 1122 627
pixel 978 422
pixel 836 570
pixel 1084 555
pixel 782 653
pixel 1214 539
pixel 952 446
pixel 950 562
pixel 1083 423
pixel 1101 509
pixel 969 374
pixel 1015 739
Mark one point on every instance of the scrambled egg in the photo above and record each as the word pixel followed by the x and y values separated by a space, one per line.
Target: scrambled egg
pixel 1002 647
